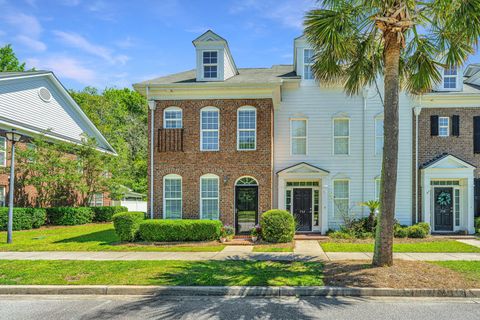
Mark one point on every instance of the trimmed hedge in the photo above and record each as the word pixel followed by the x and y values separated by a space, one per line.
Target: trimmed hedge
pixel 277 226
pixel 23 218
pixel 126 224
pixel 69 216
pixel 477 224
pixel 179 230
pixel 105 214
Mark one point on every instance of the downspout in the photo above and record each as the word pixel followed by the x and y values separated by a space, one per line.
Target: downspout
pixel 417 109
pixel 365 98
pixel 152 106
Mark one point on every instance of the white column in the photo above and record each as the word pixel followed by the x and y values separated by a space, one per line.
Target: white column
pixel 324 209
pixel 281 193
pixel 470 206
pixel 426 200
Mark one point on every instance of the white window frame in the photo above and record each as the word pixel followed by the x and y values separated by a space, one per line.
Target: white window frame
pixel 292 137
pixel 443 126
pixel 4 151
pixel 209 130
pixel 377 136
pixel 340 137
pixel 307 64
pixel 246 108
pixel 377 183
pixel 172 177
pixel 210 176
pixel 174 109
pixel 334 198
pixel 210 65
pixel 94 200
pixel 3 195
pixel 450 76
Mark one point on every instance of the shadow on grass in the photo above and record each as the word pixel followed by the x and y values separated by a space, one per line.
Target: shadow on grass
pixel 104 237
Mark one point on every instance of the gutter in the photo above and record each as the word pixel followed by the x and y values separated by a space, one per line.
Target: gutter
pixel 417 111
pixel 152 106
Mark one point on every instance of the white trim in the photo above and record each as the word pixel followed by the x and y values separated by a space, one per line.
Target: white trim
pixel 340 137
pixel 210 108
pixel 246 108
pixel 93 200
pixel 210 64
pixel 3 195
pixel 164 199
pixel 377 136
pixel 306 136
pixel 455 77
pixel 443 126
pixel 236 181
pixel 377 188
pixel 304 64
pixel 175 109
pixel 4 151
pixel 455 228
pixel 210 176
pixel 333 195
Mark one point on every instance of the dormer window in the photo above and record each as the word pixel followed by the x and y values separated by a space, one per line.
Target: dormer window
pixel 450 78
pixel 307 64
pixel 210 64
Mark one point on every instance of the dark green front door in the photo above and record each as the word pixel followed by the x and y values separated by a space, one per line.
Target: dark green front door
pixel 443 208
pixel 246 209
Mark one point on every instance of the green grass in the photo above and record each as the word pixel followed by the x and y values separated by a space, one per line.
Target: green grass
pixel 91 237
pixel 272 249
pixel 433 246
pixel 186 273
pixel 470 269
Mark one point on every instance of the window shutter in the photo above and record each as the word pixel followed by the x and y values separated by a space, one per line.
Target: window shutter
pixel 455 125
pixel 434 125
pixel 477 197
pixel 476 134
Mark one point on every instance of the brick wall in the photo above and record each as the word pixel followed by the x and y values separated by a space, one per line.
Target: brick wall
pixel 228 163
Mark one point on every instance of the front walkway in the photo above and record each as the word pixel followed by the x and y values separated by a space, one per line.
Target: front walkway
pixel 305 250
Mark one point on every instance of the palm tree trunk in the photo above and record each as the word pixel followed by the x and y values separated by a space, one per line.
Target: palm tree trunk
pixel 383 255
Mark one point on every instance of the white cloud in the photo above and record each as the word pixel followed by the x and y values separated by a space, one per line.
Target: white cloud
pixel 24 24
pixel 65 67
pixel 77 41
pixel 125 43
pixel 31 43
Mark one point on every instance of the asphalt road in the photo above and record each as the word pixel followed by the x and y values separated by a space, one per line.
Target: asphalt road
pixel 130 307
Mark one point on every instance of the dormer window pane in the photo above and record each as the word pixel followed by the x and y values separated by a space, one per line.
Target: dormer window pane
pixel 450 78
pixel 210 64
pixel 209 57
pixel 307 64
pixel 210 71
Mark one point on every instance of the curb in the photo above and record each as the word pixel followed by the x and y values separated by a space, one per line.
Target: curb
pixel 235 291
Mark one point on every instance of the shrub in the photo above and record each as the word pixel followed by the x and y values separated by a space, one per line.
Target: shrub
pixel 105 214
pixel 23 218
pixel 161 230
pixel 227 232
pixel 425 226
pixel 126 224
pixel 416 231
pixel 69 216
pixel 401 232
pixel 341 235
pixel 277 226
pixel 477 224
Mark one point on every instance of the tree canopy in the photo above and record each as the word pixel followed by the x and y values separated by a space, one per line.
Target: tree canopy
pixel 9 61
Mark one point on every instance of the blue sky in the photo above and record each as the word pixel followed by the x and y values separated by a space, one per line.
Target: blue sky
pixel 105 43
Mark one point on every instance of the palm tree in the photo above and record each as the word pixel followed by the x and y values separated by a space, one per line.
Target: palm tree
pixel 403 42
pixel 372 206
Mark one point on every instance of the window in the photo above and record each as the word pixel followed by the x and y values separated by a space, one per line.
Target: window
pixel 172 196
pixel 288 200
pixel 457 207
pixel 316 207
pixel 96 200
pixel 450 78
pixel 307 64
pixel 2 196
pixel 246 181
pixel 31 148
pixel 443 126
pixel 209 124
pixel 378 136
pixel 377 189
pixel 247 128
pixel 210 64
pixel 341 194
pixel 341 136
pixel 3 151
pixel 298 134
pixel 302 184
pixel 209 206
pixel 172 118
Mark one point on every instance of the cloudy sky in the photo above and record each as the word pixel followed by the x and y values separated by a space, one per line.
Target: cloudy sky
pixel 106 43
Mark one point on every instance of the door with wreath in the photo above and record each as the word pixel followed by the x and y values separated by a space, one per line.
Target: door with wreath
pixel 443 204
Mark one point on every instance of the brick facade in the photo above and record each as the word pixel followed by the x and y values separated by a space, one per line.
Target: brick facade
pixel 432 146
pixel 228 163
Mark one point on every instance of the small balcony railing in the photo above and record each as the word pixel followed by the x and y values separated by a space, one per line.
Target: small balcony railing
pixel 170 140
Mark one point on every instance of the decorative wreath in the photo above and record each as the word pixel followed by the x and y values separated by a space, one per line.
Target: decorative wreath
pixel 444 199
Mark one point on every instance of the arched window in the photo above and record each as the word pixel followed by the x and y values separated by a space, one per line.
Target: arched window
pixel 246 128
pixel 209 197
pixel 172 118
pixel 209 129
pixel 246 181
pixel 172 196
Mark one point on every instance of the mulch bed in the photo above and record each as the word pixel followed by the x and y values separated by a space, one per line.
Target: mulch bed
pixel 403 274
pixel 395 240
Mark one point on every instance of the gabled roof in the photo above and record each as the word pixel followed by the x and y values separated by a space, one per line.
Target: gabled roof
pixel 60 118
pixel 209 35
pixel 444 158
pixel 303 167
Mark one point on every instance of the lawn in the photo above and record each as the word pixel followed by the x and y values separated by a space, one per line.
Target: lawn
pixel 275 247
pixel 470 269
pixel 185 273
pixel 91 237
pixel 422 246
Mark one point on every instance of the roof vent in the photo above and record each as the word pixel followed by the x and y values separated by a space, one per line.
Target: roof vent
pixel 44 94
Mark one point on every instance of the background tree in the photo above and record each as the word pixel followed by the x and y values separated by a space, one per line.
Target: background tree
pixel 407 42
pixel 9 61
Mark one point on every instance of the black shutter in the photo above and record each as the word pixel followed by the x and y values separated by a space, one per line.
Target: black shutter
pixel 434 125
pixel 477 198
pixel 476 134
pixel 455 125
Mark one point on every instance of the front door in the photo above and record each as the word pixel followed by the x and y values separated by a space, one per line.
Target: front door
pixel 302 208
pixel 443 204
pixel 246 208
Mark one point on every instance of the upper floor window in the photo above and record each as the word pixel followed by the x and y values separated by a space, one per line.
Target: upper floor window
pixel 378 136
pixel 341 136
pixel 3 152
pixel 298 135
pixel 172 196
pixel 172 118
pixel 246 128
pixel 307 64
pixel 210 64
pixel 209 126
pixel 209 197
pixel 96 200
pixel 443 126
pixel 341 196
pixel 450 78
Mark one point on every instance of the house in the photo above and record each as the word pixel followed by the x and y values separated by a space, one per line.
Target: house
pixel 134 201
pixel 229 143
pixel 36 103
